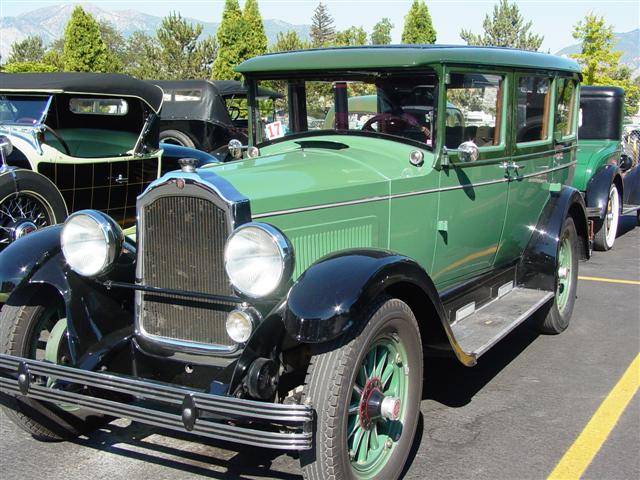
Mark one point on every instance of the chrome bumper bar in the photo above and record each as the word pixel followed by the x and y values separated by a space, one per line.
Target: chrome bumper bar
pixel 285 427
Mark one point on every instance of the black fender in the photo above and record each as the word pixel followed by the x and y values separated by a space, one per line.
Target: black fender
pixel 172 153
pixel 597 194
pixel 538 265
pixel 330 297
pixel 632 186
pixel 36 262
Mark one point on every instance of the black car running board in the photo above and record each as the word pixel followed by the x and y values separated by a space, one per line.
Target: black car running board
pixel 476 331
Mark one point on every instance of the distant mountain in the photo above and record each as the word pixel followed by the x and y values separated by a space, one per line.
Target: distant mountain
pixel 628 43
pixel 49 23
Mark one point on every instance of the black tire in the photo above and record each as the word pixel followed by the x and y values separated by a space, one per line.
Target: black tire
pixel 604 239
pixel 176 137
pixel 44 421
pixel 31 184
pixel 328 387
pixel 557 319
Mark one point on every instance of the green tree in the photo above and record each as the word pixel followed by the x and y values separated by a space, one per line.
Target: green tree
pixel 323 31
pixel 116 45
pixel 287 42
pixel 418 27
pixel 381 34
pixel 143 53
pixel 31 49
pixel 352 36
pixel 27 67
pixel 230 36
pixel 600 62
pixel 84 49
pixel 255 40
pixel 505 28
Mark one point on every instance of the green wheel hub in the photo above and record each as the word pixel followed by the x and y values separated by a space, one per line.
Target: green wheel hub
pixel 565 264
pixel 377 406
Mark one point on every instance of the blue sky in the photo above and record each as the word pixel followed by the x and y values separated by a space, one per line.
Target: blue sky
pixel 553 19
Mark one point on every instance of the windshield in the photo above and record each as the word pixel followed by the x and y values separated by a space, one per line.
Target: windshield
pixel 23 109
pixel 367 103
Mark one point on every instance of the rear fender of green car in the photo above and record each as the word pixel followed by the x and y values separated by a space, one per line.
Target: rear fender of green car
pixel 599 186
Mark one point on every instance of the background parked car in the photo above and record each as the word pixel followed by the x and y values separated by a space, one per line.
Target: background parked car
pixel 608 177
pixel 74 141
pixel 207 114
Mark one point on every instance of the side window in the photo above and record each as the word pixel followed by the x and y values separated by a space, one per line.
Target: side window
pixel 565 106
pixel 474 109
pixel 532 116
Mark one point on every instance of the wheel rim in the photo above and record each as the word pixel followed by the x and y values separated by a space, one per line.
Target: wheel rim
pixel 371 438
pixel 612 217
pixel 565 263
pixel 22 213
pixel 173 141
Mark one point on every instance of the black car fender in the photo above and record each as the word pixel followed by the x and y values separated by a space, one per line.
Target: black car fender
pixel 35 263
pixel 597 193
pixel 632 186
pixel 331 297
pixel 172 153
pixel 538 264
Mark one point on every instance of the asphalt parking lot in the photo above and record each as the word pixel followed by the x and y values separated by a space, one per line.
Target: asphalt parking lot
pixel 519 414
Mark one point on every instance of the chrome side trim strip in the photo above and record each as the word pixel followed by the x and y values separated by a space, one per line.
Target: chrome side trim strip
pixel 406 194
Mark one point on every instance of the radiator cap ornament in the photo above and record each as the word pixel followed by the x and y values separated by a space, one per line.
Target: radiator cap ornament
pixel 188 165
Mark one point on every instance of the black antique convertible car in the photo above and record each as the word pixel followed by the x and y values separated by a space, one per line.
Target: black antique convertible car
pixel 206 114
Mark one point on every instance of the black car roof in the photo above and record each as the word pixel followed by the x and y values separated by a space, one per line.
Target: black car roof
pixel 225 88
pixel 108 84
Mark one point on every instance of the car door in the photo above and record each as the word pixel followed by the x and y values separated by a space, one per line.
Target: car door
pixel 473 192
pixel 530 168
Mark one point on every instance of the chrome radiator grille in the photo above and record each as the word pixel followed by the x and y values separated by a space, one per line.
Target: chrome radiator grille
pixel 183 240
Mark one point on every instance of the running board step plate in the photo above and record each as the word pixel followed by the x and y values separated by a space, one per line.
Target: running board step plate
pixel 478 332
pixel 629 209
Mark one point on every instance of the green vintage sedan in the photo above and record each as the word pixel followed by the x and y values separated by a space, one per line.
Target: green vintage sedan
pixel 290 298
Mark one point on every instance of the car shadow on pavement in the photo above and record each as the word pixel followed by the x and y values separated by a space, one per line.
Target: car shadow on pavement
pixel 627 223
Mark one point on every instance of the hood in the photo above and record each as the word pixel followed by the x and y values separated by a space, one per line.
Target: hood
pixel 315 171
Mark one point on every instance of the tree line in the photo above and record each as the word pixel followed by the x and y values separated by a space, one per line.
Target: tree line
pixel 178 50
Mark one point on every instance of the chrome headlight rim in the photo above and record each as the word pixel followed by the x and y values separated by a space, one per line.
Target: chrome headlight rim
pixel 112 234
pixel 285 249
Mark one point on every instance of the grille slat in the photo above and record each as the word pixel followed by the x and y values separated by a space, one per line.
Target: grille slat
pixel 183 249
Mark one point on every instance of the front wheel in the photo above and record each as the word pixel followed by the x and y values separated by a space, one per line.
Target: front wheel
pixel 366 391
pixel 605 237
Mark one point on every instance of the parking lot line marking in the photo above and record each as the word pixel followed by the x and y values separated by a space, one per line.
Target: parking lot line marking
pixel 609 280
pixel 581 453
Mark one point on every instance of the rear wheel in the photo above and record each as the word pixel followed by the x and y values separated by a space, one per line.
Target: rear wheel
pixel 366 392
pixel 38 331
pixel 559 314
pixel 176 137
pixel 605 237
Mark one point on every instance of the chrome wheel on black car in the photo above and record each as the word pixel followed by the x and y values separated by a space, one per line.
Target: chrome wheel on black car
pixel 366 392
pixel 605 237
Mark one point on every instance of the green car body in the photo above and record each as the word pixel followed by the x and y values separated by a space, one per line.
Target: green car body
pixel 608 178
pixel 298 286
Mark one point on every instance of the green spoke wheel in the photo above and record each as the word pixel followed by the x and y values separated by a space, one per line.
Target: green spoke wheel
pixel 366 393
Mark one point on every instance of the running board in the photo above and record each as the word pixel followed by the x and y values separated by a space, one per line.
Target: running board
pixel 477 331
pixel 628 209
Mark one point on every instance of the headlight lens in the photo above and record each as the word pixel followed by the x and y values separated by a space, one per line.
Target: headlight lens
pixel 258 258
pixel 91 242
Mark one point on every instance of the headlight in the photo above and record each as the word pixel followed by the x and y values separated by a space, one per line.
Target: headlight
pixel 258 258
pixel 91 242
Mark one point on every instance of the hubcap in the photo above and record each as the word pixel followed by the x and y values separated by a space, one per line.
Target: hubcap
pixel 377 407
pixel 564 273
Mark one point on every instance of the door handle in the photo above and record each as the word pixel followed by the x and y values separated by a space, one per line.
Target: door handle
pixel 516 167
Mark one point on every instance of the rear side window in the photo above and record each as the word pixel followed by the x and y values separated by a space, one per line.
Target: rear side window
pixel 190 95
pixel 474 109
pixel 99 106
pixel 565 106
pixel 534 96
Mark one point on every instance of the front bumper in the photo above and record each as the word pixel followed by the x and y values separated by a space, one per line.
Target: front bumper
pixel 248 422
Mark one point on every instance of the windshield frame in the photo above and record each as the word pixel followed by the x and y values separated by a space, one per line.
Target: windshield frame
pixel 253 80
pixel 4 97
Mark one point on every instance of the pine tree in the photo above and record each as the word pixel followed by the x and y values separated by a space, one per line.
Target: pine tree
pixel 418 27
pixel 31 49
pixel 84 49
pixel 600 62
pixel 287 42
pixel 506 28
pixel 352 36
pixel 322 28
pixel 255 39
pixel 381 34
pixel 230 37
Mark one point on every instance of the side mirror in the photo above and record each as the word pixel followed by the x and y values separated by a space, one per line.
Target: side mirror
pixel 468 152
